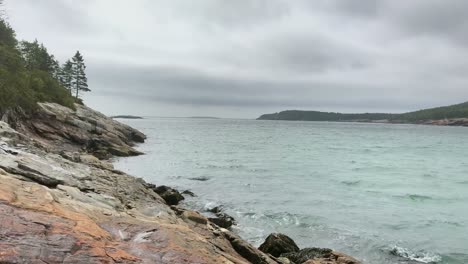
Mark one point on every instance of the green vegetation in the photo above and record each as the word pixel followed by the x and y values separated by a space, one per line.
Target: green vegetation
pixel 447 112
pixel 30 74
pixel 79 80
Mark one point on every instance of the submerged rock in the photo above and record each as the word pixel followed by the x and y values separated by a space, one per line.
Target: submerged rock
pixel 189 193
pixel 203 178
pixel 277 244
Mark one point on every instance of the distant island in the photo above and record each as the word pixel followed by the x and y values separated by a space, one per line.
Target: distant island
pixel 455 115
pixel 127 117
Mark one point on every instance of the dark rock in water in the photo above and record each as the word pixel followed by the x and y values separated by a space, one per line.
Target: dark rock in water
pixel 199 179
pixel 190 193
pixel 223 220
pixel 277 244
pixel 308 253
pixel 170 195
pixel 137 136
pixel 215 210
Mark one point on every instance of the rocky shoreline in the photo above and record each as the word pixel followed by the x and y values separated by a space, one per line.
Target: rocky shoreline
pixel 61 201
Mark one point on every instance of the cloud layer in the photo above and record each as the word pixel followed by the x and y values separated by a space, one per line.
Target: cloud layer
pixel 246 57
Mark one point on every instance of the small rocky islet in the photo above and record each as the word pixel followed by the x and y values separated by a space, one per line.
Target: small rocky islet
pixel 62 201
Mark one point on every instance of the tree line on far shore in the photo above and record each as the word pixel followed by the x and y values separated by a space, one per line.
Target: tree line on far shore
pixel 438 113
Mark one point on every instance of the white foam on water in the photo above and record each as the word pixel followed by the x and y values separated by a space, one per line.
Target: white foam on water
pixel 419 256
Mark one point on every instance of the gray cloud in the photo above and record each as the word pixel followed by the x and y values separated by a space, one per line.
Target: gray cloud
pixel 243 58
pixel 442 19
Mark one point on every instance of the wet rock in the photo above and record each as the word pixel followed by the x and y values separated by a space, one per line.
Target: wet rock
pixel 170 195
pixel 137 136
pixel 223 220
pixel 189 193
pixel 277 244
pixel 308 253
pixel 215 210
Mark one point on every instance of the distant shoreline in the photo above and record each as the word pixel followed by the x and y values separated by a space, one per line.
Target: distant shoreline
pixel 127 117
pixel 453 115
pixel 456 122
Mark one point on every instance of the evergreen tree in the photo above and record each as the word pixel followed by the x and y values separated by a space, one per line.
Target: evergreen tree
pixel 66 75
pixel 37 57
pixel 26 76
pixel 80 82
pixel 55 67
pixel 7 34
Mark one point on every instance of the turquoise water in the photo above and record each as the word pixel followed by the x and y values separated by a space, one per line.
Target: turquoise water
pixel 382 193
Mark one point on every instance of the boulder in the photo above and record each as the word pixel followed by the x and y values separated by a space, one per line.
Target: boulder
pixel 306 254
pixel 223 220
pixel 277 244
pixel 194 217
pixel 215 210
pixel 170 195
pixel 246 250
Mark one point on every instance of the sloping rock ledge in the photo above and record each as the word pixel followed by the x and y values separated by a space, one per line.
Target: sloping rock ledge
pixel 61 202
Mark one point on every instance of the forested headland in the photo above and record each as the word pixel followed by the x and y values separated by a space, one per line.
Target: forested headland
pixel 438 113
pixel 29 73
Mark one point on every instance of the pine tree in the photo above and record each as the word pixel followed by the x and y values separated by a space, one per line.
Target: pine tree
pixel 55 67
pixel 36 57
pixel 66 75
pixel 80 82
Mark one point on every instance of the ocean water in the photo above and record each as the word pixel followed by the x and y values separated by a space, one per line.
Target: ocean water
pixel 381 193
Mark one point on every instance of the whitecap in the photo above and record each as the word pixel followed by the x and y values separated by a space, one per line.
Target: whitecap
pixel 419 256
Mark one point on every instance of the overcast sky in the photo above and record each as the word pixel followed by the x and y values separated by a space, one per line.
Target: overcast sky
pixel 242 58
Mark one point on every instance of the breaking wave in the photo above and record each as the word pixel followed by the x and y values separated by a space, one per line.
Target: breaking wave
pixel 419 256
